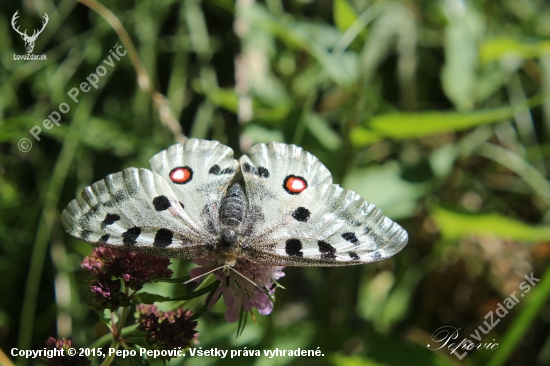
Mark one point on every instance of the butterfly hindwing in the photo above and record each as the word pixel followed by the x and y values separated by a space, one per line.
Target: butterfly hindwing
pixel 199 173
pixel 322 225
pixel 136 210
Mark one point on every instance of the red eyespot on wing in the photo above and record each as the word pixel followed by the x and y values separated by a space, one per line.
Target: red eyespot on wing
pixel 181 175
pixel 294 185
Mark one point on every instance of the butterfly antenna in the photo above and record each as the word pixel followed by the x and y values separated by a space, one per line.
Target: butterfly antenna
pixel 246 278
pixel 202 275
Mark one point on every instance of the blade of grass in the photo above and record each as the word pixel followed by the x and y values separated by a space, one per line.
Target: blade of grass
pixel 413 125
pixel 47 220
pixel 519 166
pixel 165 114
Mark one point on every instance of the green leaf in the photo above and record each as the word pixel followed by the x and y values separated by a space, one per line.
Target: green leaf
pixel 462 35
pixel 224 98
pixel 196 293
pixel 383 186
pixel 258 134
pixel 138 338
pixel 174 279
pixel 454 225
pixel 322 131
pixel 362 137
pixel 293 35
pixel 243 317
pixel 344 14
pixel 413 125
pixel 497 48
pixel 148 298
pixel 105 317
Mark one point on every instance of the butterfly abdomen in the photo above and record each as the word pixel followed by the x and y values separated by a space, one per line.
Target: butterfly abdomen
pixel 233 211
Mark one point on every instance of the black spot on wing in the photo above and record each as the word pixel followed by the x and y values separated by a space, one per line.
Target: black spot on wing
pixel 349 236
pixel 120 197
pixel 327 250
pixel 376 255
pixel 247 168
pixel 110 219
pixel 366 230
pixel 294 247
pixel 163 238
pixel 91 213
pixel 104 238
pixel 353 256
pixel 161 203
pixel 182 206
pixel 108 203
pixel 263 172
pixel 215 169
pixel 85 234
pixel 301 214
pixel 130 237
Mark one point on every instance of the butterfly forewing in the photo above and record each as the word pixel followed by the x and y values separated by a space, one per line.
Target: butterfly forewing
pixel 136 210
pixel 199 173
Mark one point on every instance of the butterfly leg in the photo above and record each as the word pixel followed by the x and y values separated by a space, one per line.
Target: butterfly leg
pixel 204 274
pixel 246 278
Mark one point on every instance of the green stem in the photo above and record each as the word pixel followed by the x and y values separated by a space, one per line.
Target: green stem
pixel 102 341
pixel 303 120
pixel 144 81
pixel 115 343
pixel 111 355
pixel 125 312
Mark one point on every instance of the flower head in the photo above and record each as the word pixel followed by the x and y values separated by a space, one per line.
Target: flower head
pixel 110 268
pixel 135 269
pixel 167 330
pixel 240 291
pixel 65 360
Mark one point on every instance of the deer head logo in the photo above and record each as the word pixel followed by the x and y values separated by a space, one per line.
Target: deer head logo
pixel 29 40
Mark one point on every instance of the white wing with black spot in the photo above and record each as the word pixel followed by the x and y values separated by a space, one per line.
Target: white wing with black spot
pixel 136 210
pixel 199 173
pixel 274 174
pixel 312 222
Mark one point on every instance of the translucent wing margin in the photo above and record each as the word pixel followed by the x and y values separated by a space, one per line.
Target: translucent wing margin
pixel 136 210
pixel 326 226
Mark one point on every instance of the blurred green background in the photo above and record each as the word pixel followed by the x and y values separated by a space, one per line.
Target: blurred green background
pixel 436 111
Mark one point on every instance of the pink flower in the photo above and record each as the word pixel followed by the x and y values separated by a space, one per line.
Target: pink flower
pixel 135 269
pixel 108 268
pixel 241 291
